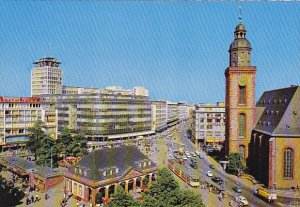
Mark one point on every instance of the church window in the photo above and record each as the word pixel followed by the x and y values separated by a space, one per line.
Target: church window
pixel 242 95
pixel 242 125
pixel 242 151
pixel 288 163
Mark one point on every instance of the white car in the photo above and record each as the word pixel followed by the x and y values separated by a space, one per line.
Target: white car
pixel 188 156
pixel 241 201
pixel 187 152
pixel 184 157
pixel 209 173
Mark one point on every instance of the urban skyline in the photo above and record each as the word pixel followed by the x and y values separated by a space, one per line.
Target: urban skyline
pixel 172 49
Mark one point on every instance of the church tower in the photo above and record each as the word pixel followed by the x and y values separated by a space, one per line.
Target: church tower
pixel 240 95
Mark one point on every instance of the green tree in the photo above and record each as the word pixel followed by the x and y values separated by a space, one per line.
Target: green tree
pixel 235 163
pixel 165 192
pixel 188 198
pixel 71 145
pixel 47 153
pixel 121 198
pixel 36 134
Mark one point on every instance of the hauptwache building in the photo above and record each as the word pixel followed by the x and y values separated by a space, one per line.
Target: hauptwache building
pixel 105 169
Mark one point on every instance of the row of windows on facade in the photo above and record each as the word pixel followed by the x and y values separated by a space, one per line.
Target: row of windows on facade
pixel 18 105
pixel 210 133
pixel 279 101
pixel 94 104
pixel 105 132
pixel 211 126
pixel 22 119
pixel 211 120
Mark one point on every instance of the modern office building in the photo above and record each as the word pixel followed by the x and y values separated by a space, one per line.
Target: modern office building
pixel 17 115
pixel 275 141
pixel 109 115
pixel 208 123
pixel 172 114
pixel 159 115
pixel 240 95
pixel 46 77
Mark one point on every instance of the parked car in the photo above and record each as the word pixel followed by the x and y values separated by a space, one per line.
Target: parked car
pixel 201 156
pixel 193 154
pixel 241 201
pixel 237 189
pixel 194 165
pixel 217 180
pixel 184 157
pixel 212 166
pixel 193 160
pixel 209 173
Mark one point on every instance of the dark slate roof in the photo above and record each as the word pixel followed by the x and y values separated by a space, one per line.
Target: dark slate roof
pixel 124 158
pixel 30 166
pixel 279 112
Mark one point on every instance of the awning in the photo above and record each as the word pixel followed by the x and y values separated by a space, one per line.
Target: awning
pixel 210 140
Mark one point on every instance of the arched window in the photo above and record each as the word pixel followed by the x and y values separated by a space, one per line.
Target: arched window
pixel 242 95
pixel 242 151
pixel 288 163
pixel 242 125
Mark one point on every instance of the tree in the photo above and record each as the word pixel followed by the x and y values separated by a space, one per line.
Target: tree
pixel 121 198
pixel 188 198
pixel 47 154
pixel 162 191
pixel 235 163
pixel 35 134
pixel 71 145
pixel 165 192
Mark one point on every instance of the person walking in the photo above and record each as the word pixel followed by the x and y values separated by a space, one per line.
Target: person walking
pixel 36 197
pixel 32 199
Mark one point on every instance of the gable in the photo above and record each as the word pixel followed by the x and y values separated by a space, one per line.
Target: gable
pixel 132 173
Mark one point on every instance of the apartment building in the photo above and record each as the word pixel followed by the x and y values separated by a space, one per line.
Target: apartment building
pixel 184 111
pixel 159 115
pixel 208 123
pixel 46 77
pixel 17 115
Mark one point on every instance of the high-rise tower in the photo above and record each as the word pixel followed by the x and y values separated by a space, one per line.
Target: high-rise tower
pixel 240 94
pixel 46 77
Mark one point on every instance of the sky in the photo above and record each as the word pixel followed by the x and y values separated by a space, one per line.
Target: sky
pixel 178 50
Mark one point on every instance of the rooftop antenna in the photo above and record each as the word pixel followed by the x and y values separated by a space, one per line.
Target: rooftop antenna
pixel 240 14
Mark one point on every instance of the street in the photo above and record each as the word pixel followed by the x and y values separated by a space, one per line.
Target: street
pixel 229 181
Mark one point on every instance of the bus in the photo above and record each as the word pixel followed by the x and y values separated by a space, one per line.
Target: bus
pixel 265 194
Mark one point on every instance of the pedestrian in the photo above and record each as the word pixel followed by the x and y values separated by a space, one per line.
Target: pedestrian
pixel 46 196
pixel 32 199
pixel 36 197
pixel 27 201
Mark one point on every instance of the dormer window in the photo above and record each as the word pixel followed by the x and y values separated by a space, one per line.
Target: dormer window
pixel 149 163
pixel 117 170
pixel 85 172
pixel 104 173
pixel 76 170
pixel 111 171
pixel 80 171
